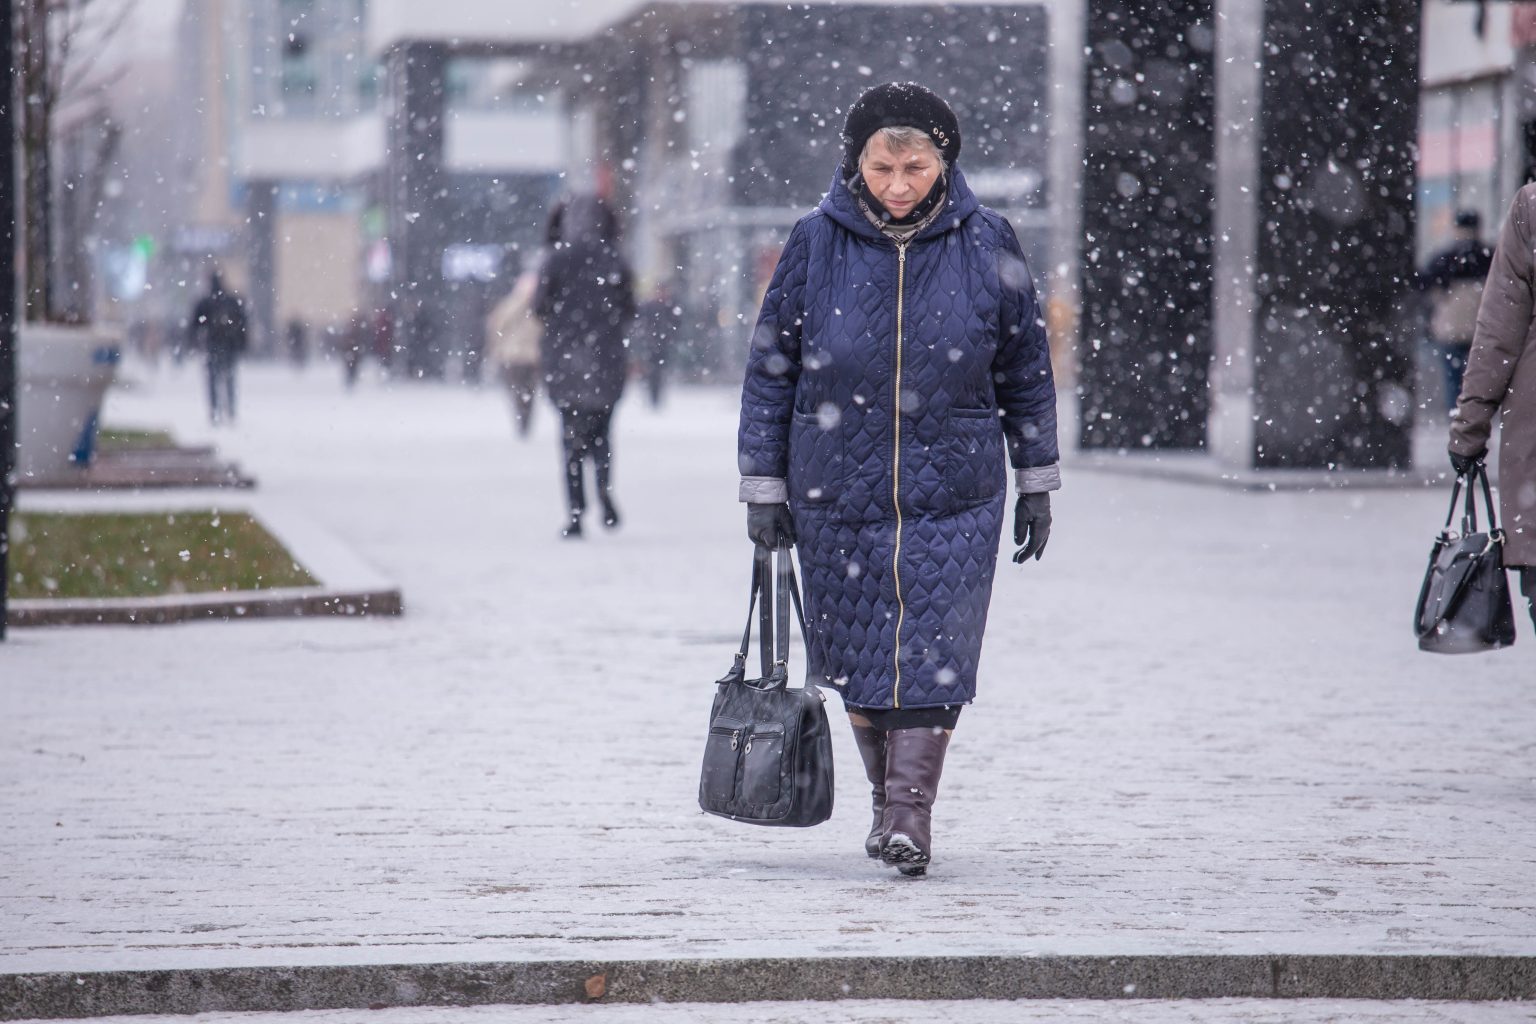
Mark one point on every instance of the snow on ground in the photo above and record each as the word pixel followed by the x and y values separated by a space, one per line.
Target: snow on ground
pixel 1203 726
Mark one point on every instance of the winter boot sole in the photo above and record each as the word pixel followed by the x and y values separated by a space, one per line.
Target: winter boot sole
pixel 901 853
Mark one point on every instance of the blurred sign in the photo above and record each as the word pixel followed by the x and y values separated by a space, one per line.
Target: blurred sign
pixel 127 271
pixel 379 263
pixel 466 262
pixel 373 222
pixel 1522 25
pixel 1010 183
pixel 203 238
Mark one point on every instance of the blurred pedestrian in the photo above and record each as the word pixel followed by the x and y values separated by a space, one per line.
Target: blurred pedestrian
pixel 298 343
pixel 586 302
pixel 512 335
pixel 655 333
pixel 1500 383
pixel 1453 280
pixel 218 327
pixel 382 335
pixel 899 354
pixel 353 342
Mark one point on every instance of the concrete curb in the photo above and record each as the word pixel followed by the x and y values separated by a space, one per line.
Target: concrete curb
pixel 1183 467
pixel 349 586
pixel 135 469
pixel 286 602
pixel 111 993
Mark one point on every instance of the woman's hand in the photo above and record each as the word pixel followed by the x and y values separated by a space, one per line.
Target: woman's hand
pixel 770 526
pixel 1031 525
pixel 1463 464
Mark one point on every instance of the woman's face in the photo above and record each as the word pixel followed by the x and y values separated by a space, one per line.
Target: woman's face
pixel 901 178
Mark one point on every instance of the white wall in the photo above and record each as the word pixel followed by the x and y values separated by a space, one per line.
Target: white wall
pixel 1450 49
pixel 310 149
pixel 551 20
pixel 488 141
pixel 491 20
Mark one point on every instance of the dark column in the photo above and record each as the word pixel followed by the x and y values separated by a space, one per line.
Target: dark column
pixel 417 210
pixel 7 302
pixel 261 242
pixel 1148 206
pixel 1332 373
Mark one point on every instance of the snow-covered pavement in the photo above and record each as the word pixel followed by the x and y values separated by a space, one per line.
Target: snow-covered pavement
pixel 1203 727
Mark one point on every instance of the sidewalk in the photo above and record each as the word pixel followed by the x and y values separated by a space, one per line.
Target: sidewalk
pixel 1203 728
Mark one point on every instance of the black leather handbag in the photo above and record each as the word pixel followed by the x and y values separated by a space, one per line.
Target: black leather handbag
pixel 1464 604
pixel 768 758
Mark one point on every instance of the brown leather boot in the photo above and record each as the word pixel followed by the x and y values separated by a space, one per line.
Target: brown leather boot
pixel 914 760
pixel 871 743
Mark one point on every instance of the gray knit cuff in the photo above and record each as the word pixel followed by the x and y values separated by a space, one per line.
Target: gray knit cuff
pixel 1037 479
pixel 763 490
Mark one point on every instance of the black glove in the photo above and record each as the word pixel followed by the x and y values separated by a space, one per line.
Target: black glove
pixel 1463 464
pixel 769 526
pixel 1031 525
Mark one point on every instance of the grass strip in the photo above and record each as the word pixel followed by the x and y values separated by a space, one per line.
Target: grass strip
pixel 121 439
pixel 61 554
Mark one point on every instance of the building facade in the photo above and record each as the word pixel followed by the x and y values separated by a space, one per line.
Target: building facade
pixel 1477 127
pixel 400 159
pixel 712 127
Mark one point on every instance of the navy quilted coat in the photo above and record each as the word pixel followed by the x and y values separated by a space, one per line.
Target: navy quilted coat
pixel 881 384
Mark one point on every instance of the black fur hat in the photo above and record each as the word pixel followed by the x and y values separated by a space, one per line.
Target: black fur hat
pixel 895 104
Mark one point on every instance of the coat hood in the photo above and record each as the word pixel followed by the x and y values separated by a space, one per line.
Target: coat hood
pixel 841 205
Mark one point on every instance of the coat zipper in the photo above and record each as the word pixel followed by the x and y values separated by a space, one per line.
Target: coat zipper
pixel 901 606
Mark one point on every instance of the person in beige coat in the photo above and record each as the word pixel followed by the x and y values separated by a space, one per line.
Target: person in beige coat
pixel 1500 383
pixel 512 335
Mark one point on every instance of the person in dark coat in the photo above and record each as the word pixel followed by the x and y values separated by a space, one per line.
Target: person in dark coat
pixel 353 345
pixel 586 302
pixel 899 353
pixel 298 343
pixel 218 327
pixel 1453 280
pixel 1500 384
pixel 658 326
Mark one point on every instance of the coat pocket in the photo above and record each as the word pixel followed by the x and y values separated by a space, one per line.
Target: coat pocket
pixel 722 755
pixel 816 460
pixel 762 771
pixel 973 455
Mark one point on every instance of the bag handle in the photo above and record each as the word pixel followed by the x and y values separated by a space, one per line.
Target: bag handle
pixel 772 614
pixel 781 576
pixel 1477 474
pixel 1493 522
pixel 786 593
pixel 738 669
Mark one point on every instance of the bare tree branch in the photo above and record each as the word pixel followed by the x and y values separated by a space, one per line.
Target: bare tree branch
pixel 60 44
pixel 92 41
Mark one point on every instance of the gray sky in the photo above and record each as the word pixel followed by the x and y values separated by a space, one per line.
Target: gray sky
pixel 154 27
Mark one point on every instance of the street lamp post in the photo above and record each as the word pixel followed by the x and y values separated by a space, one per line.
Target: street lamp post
pixel 7 301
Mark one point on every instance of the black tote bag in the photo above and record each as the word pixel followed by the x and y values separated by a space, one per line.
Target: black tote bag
pixel 1464 604
pixel 768 757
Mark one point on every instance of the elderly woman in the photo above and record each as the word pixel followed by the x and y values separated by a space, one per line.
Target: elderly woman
pixel 899 351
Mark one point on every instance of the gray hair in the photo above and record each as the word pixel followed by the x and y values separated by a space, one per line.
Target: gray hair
pixel 901 138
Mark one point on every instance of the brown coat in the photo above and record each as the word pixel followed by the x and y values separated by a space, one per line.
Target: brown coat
pixel 1501 378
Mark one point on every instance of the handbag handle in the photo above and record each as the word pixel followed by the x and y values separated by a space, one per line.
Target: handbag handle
pixel 1493 522
pixel 1478 474
pixel 773 614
